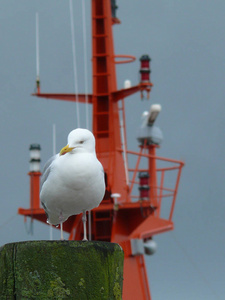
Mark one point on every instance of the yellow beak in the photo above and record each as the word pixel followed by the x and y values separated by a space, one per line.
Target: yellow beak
pixel 65 150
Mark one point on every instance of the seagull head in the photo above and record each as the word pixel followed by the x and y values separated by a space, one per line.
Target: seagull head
pixel 79 140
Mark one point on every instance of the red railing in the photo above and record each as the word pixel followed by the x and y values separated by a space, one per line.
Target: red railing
pixel 165 184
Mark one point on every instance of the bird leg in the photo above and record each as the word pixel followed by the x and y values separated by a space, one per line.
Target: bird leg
pixel 61 226
pixel 61 230
pixel 84 219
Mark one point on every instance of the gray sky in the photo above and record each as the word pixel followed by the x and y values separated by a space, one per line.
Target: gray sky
pixel 185 40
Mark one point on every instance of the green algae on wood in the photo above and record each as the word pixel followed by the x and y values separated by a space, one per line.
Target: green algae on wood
pixel 61 270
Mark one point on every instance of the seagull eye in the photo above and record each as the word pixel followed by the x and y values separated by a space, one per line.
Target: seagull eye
pixel 81 142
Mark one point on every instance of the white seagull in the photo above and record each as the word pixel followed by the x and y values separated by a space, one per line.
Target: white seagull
pixel 73 180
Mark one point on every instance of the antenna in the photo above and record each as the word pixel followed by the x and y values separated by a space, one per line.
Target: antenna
pixel 54 153
pixel 37 54
pixel 74 62
pixel 85 61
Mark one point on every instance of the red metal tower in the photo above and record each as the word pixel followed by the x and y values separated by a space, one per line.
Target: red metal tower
pixel 123 217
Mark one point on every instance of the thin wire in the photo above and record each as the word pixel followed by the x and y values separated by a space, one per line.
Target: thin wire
pixel 74 62
pixel 37 47
pixel 31 229
pixel 54 153
pixel 86 92
pixel 85 61
pixel 89 226
pixel 124 147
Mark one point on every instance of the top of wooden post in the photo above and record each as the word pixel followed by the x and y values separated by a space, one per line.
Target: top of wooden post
pixel 61 270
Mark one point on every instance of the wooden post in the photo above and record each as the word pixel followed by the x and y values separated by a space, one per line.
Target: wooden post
pixel 61 270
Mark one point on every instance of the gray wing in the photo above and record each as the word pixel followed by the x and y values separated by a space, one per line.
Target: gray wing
pixel 47 169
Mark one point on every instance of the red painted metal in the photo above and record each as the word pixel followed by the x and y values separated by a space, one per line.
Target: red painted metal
pixel 128 59
pixel 34 189
pixel 132 216
pixel 66 97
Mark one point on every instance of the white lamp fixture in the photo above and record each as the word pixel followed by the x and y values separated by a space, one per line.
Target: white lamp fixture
pixel 153 113
pixel 127 84
pixel 139 247
pixel 35 157
pixel 150 247
pixel 148 131
pixel 115 197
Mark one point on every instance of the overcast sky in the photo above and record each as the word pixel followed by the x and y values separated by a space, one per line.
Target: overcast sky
pixel 185 40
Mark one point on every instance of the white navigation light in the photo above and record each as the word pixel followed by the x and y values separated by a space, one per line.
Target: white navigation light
pixel 153 113
pixel 148 132
pixel 127 84
pixel 115 197
pixel 150 247
pixel 35 157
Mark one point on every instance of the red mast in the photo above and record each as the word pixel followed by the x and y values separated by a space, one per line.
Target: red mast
pixel 119 218
pixel 106 124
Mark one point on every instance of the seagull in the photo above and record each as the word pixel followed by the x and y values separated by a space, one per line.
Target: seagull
pixel 73 180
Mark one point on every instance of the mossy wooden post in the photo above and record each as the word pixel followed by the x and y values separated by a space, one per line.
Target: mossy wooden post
pixel 61 270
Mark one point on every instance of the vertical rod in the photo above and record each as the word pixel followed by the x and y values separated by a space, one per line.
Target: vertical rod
pixel 37 55
pixel 74 62
pixel 136 169
pixel 143 276
pixel 54 153
pixel 152 176
pixel 85 61
pixel 86 93
pixel 89 225
pixel 34 189
pixel 175 193
pixel 37 47
pixel 124 142
pixel 160 193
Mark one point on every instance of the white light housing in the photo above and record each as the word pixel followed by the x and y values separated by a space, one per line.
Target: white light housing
pixel 35 157
pixel 153 113
pixel 35 151
pixel 115 196
pixel 137 247
pixel 150 247
pixel 127 84
pixel 144 118
pixel 148 132
pixel 34 165
pixel 144 114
